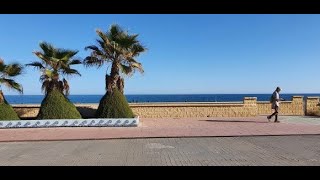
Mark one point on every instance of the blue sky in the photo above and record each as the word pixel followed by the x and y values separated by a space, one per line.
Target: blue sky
pixel 188 54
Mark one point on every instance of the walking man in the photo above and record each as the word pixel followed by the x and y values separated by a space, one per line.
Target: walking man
pixel 275 100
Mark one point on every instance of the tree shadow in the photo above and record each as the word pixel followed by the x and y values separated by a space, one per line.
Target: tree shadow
pixel 87 112
pixel 28 118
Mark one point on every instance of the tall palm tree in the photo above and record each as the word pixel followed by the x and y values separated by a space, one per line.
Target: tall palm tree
pixel 120 49
pixel 7 73
pixel 55 62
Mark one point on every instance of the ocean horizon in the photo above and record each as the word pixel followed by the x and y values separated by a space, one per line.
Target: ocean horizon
pixel 145 98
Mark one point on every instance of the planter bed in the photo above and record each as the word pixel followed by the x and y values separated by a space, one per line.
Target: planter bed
pixel 97 122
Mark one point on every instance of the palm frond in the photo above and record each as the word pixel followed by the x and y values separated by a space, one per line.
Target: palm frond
pixel 64 54
pixel 45 86
pixel 104 37
pixel 137 66
pixel 46 59
pixel 127 41
pixel 75 61
pixel 114 32
pixel 12 70
pixel 136 49
pixel 134 64
pixel 93 47
pixel 44 77
pixel 11 84
pixel 2 65
pixel 108 46
pixel 99 53
pixel 37 65
pixel 103 45
pixel 127 70
pixel 93 61
pixel 47 48
pixel 107 49
pixel 130 60
pixel 70 71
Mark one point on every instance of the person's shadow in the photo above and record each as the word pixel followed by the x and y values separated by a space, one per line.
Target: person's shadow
pixel 236 121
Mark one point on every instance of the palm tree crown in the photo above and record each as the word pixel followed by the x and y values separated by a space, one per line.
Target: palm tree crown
pixel 7 72
pixel 120 49
pixel 55 62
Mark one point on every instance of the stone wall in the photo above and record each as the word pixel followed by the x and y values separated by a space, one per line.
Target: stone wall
pixel 312 106
pixel 27 111
pixel 294 107
pixel 245 109
pixel 249 107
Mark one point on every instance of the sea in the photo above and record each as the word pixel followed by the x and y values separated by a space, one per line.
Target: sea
pixel 155 98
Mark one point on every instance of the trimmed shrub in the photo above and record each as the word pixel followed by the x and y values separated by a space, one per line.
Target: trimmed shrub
pixel 56 106
pixel 114 105
pixel 7 112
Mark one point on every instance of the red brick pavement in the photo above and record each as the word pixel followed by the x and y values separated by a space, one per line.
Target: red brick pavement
pixel 169 127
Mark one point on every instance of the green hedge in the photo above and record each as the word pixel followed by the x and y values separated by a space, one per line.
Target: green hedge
pixel 7 112
pixel 56 106
pixel 114 105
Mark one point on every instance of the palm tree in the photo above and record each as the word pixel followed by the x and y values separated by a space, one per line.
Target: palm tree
pixel 120 49
pixel 7 72
pixel 54 63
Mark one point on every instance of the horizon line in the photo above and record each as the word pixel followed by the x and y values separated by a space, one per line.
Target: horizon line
pixel 163 94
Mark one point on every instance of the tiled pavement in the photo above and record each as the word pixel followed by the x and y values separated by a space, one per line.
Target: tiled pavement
pixel 308 120
pixel 201 151
pixel 171 127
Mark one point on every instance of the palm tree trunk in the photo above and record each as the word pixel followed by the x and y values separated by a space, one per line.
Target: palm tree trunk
pixel 56 84
pixel 120 84
pixel 1 97
pixel 107 79
pixel 114 76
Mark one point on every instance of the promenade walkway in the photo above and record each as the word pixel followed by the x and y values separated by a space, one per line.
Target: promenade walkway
pixel 171 127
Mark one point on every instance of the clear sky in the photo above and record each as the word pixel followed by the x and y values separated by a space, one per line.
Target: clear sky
pixel 188 54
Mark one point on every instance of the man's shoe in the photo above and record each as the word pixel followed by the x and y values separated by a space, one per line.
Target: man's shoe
pixel 276 121
pixel 268 117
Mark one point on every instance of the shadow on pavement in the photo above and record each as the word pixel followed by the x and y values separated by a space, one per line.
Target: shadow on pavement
pixel 240 121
